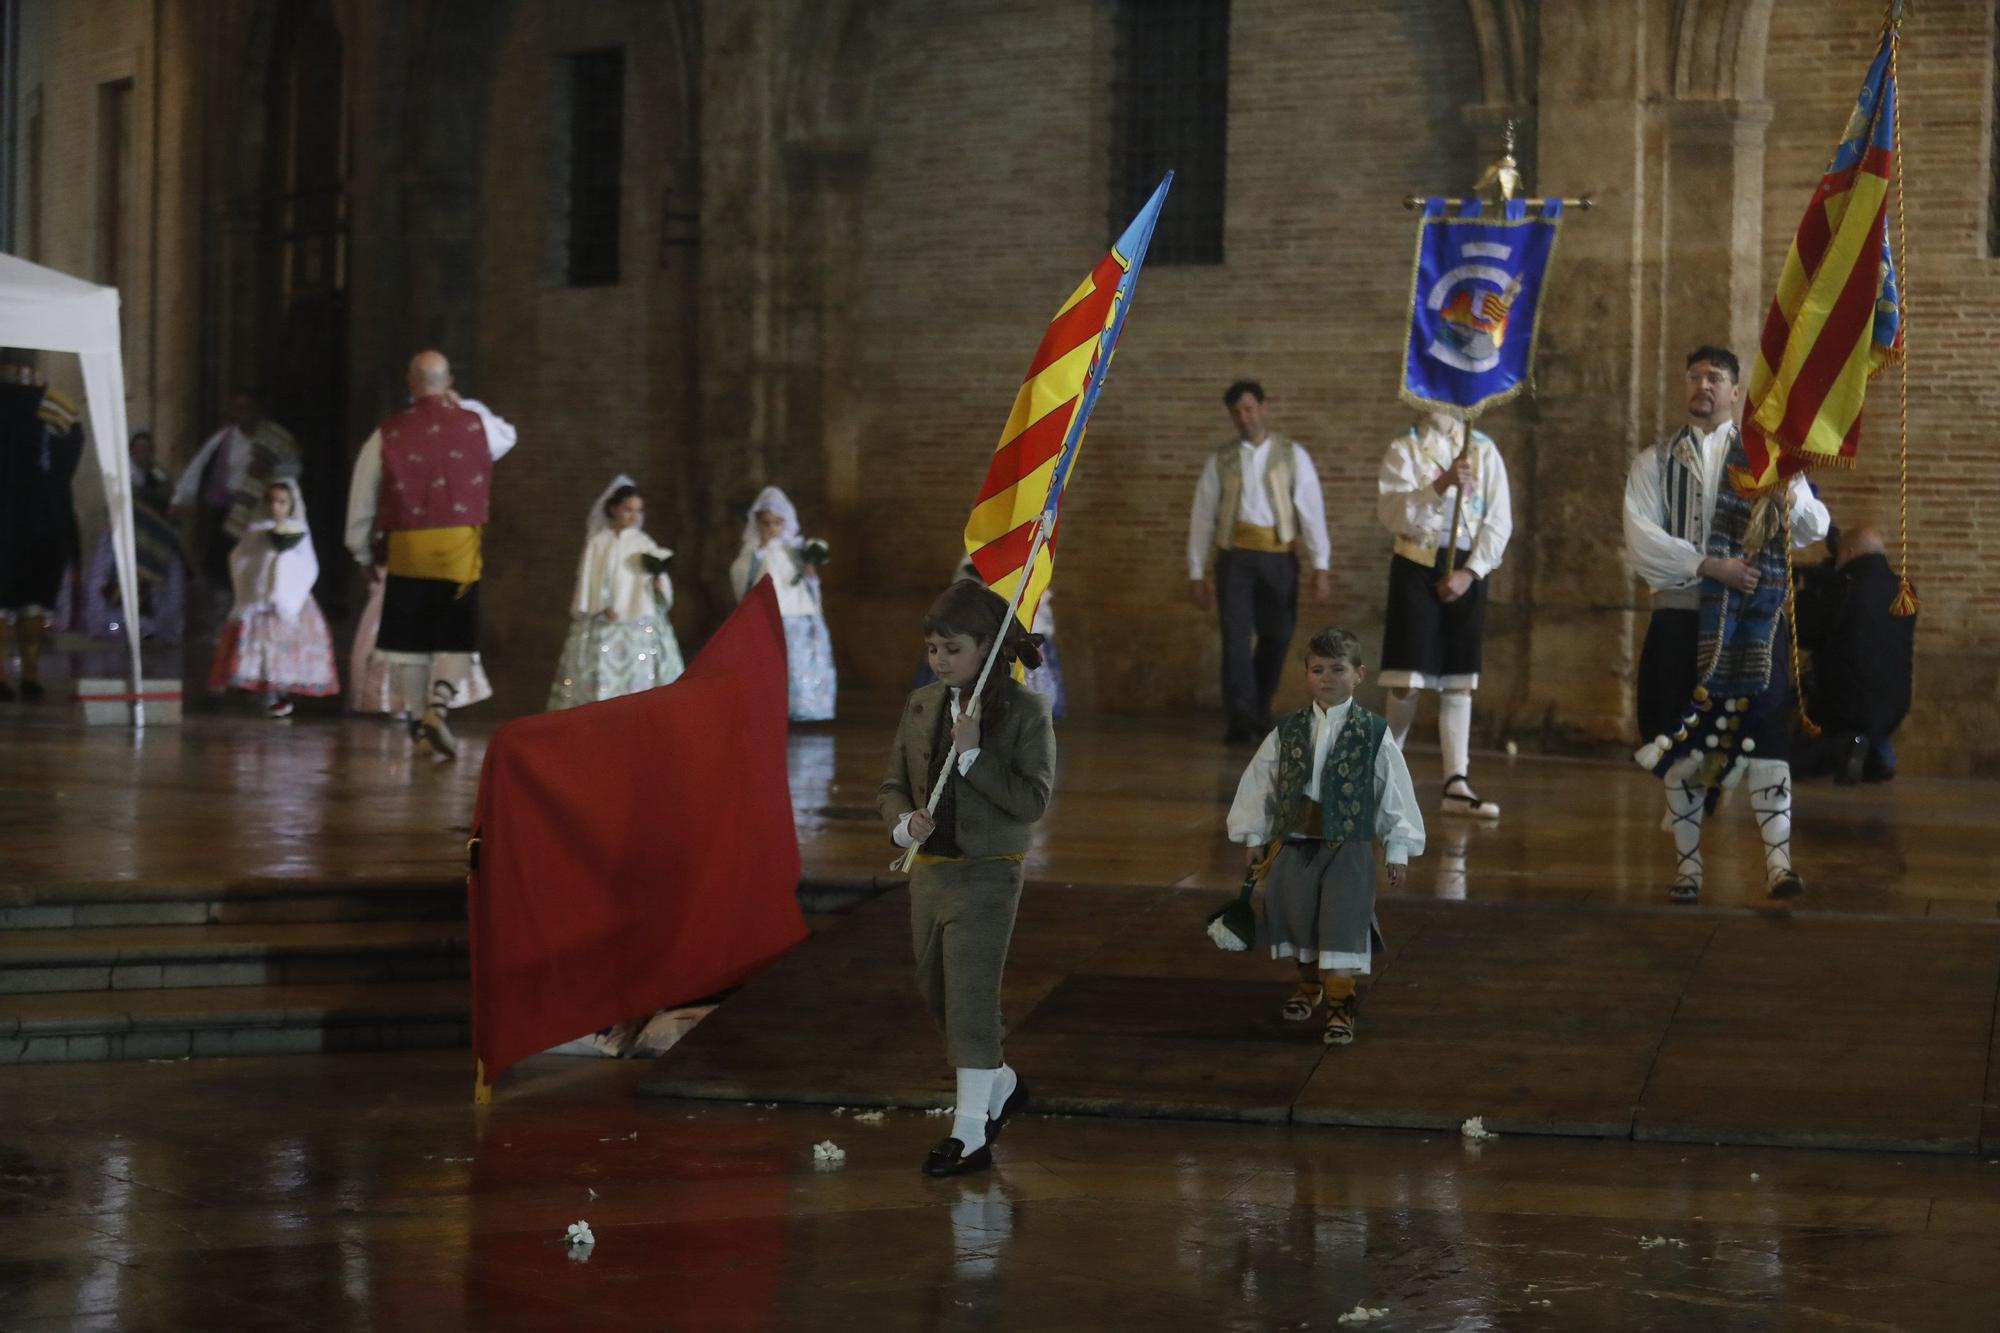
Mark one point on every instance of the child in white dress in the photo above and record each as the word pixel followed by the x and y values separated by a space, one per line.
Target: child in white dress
pixel 620 641
pixel 276 642
pixel 773 548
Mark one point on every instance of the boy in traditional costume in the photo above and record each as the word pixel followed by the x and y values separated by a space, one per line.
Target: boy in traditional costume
pixel 1714 687
pixel 1326 783
pixel 1442 494
pixel 965 885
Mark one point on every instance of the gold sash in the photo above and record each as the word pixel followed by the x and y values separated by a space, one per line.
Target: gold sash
pixel 449 555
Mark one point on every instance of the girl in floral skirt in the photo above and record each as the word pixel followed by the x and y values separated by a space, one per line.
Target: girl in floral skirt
pixel 276 642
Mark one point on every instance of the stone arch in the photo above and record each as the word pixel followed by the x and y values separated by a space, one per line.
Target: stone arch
pixel 1718 49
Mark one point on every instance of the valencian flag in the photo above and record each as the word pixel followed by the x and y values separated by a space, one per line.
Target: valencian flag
pixel 1044 433
pixel 1837 318
pixel 1474 296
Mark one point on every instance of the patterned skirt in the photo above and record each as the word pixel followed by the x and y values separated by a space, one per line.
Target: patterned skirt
pixel 809 655
pixel 604 659
pixel 264 653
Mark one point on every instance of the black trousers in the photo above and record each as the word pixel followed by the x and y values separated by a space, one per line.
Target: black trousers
pixel 1256 593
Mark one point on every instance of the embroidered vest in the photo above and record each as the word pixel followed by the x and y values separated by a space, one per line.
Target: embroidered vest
pixel 436 468
pixel 1278 473
pixel 1346 785
pixel 1423 547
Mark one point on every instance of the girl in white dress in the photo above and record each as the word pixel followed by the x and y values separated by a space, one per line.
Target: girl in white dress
pixel 620 641
pixel 773 549
pixel 276 642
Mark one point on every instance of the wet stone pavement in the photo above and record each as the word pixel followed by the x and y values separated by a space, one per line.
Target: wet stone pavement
pixel 363 1192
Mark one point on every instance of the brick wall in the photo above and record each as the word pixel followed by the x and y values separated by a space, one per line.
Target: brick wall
pixel 986 204
pixel 1817 55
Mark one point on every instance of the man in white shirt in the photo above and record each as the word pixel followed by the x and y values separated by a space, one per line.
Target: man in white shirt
pixel 1675 543
pixel 1258 499
pixel 421 489
pixel 1436 622
pixel 224 483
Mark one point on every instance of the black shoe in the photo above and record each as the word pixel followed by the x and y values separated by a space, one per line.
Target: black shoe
pixel 32 692
pixel 1853 752
pixel 1786 885
pixel 949 1158
pixel 1016 1099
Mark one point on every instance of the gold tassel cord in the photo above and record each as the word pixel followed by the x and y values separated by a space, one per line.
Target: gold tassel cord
pixel 1906 596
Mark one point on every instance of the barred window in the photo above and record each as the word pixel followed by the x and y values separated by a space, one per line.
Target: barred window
pixel 593 191
pixel 1170 111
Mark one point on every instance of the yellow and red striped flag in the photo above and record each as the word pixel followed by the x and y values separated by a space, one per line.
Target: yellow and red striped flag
pixel 1038 448
pixel 1837 317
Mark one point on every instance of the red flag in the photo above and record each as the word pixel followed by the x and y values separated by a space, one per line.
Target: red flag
pixel 637 853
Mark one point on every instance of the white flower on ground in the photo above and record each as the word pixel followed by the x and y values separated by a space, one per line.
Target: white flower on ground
pixel 1361 1314
pixel 1475 1129
pixel 867 1117
pixel 579 1233
pixel 829 1151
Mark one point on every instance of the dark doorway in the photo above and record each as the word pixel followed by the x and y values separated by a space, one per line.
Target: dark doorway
pixel 302 254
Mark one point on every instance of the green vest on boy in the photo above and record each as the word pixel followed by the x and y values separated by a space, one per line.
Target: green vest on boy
pixel 1346 794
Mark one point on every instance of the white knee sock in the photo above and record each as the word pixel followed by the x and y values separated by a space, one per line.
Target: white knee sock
pixel 1400 711
pixel 1770 782
pixel 447 669
pixel 1455 731
pixel 1684 815
pixel 975 1094
pixel 416 680
pixel 1005 1080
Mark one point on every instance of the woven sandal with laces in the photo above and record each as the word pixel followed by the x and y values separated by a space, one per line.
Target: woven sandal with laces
pixel 1339 1023
pixel 1303 1001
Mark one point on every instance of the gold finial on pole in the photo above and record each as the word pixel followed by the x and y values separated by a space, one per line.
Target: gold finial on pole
pixel 1502 178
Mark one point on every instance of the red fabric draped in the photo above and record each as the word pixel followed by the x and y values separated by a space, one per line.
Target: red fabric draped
pixel 637 853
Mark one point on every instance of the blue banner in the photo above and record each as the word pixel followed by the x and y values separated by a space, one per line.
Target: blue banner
pixel 1474 298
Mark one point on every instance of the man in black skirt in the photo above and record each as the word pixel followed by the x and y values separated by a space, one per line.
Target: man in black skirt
pixel 1438 469
pixel 1257 502
pixel 421 485
pixel 1670 501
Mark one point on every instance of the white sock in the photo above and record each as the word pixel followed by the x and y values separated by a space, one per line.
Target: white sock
pixel 1770 782
pixel 416 679
pixel 1455 731
pixel 975 1094
pixel 1684 815
pixel 1400 710
pixel 1005 1080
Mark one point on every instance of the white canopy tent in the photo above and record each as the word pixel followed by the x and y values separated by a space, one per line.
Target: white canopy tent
pixel 53 312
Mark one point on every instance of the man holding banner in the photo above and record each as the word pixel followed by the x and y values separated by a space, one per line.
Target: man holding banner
pixel 1257 501
pixel 1442 494
pixel 1475 293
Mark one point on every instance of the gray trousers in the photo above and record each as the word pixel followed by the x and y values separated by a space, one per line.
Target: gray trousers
pixel 1319 904
pixel 961 922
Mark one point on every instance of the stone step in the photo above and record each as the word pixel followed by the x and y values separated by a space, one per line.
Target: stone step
pixel 208 902
pixel 233 1020
pixel 171 957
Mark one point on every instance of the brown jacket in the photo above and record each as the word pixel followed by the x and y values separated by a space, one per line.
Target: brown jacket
pixel 1007 789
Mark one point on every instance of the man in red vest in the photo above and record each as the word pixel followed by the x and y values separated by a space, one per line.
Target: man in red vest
pixel 421 486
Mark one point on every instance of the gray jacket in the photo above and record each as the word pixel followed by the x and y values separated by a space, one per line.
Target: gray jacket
pixel 1006 790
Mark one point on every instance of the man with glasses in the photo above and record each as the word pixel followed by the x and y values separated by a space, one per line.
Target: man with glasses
pixel 1689 553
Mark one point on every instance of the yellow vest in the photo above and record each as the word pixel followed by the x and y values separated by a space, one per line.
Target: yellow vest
pixel 1278 476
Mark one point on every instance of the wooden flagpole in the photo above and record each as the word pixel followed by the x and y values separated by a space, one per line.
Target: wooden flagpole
pixel 1036 542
